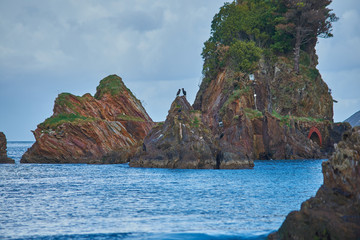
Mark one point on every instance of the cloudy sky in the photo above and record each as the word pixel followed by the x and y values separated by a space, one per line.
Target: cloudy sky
pixel 52 46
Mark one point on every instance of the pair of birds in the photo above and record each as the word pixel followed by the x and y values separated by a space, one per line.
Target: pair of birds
pixel 183 91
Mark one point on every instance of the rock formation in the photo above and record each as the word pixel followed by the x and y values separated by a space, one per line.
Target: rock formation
pixel 334 213
pixel 271 102
pixel 183 141
pixel 271 116
pixel 3 150
pixel 105 128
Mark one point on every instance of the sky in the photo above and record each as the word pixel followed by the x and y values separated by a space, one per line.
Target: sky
pixel 52 46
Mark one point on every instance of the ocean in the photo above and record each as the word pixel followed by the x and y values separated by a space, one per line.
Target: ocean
pixel 80 201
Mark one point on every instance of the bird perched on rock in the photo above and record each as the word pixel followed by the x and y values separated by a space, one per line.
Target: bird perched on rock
pixel 184 92
pixel 178 92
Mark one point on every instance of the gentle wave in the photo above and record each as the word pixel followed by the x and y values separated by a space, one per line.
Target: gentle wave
pixel 146 236
pixel 54 201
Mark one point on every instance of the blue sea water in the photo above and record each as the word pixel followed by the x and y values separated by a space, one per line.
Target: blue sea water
pixel 52 201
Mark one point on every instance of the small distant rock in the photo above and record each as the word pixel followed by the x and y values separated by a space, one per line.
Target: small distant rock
pixel 334 213
pixel 3 150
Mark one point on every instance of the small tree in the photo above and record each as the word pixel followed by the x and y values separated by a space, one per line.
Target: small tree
pixel 244 56
pixel 306 20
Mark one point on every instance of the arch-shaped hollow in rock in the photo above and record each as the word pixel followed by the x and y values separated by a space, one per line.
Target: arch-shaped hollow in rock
pixel 315 135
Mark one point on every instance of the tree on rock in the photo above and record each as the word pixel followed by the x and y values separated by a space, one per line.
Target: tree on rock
pixel 306 20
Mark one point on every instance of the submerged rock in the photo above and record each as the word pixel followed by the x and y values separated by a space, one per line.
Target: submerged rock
pixel 334 213
pixel 183 141
pixel 3 150
pixel 106 128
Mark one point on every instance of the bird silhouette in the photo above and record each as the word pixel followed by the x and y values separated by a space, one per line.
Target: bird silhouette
pixel 178 92
pixel 184 92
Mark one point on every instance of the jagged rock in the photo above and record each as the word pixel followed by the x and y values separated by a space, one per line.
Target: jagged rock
pixel 334 213
pixel 183 141
pixel 106 128
pixel 3 150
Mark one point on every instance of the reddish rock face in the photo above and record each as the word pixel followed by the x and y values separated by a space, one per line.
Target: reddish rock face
pixel 105 128
pixel 334 213
pixel 271 117
pixel 3 150
pixel 183 141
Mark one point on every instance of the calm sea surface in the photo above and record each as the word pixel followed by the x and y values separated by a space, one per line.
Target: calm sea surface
pixel 117 202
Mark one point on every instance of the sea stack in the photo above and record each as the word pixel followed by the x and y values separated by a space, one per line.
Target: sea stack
pixel 105 128
pixel 334 213
pixel 183 141
pixel 3 150
pixel 265 101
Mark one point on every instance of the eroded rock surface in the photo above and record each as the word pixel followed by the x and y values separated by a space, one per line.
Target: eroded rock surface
pixel 183 141
pixel 334 213
pixel 3 150
pixel 271 116
pixel 106 128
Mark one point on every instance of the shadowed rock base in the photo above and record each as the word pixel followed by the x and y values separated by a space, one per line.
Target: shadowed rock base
pixel 334 213
pixel 183 141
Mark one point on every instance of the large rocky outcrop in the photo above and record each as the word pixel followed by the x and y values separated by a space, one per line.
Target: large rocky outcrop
pixel 334 213
pixel 183 141
pixel 3 150
pixel 105 128
pixel 278 115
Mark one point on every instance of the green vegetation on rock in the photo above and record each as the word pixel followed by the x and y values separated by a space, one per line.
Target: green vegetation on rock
pixel 195 122
pixel 112 84
pixel 63 100
pixel 54 121
pixel 285 119
pixel 252 113
pixel 244 56
pixel 243 30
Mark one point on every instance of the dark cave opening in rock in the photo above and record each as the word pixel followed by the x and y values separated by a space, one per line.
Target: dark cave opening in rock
pixel 315 135
pixel 315 138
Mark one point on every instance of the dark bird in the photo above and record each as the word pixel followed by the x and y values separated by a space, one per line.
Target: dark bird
pixel 184 92
pixel 178 92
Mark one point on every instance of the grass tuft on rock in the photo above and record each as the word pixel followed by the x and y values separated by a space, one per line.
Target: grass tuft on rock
pixel 55 121
pixel 112 84
pixel 252 113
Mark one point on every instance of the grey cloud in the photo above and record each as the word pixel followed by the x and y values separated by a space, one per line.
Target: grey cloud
pixel 47 47
pixel 139 20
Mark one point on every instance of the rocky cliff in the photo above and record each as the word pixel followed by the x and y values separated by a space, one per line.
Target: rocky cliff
pixel 334 213
pixel 105 128
pixel 3 150
pixel 273 113
pixel 183 141
pixel 261 89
